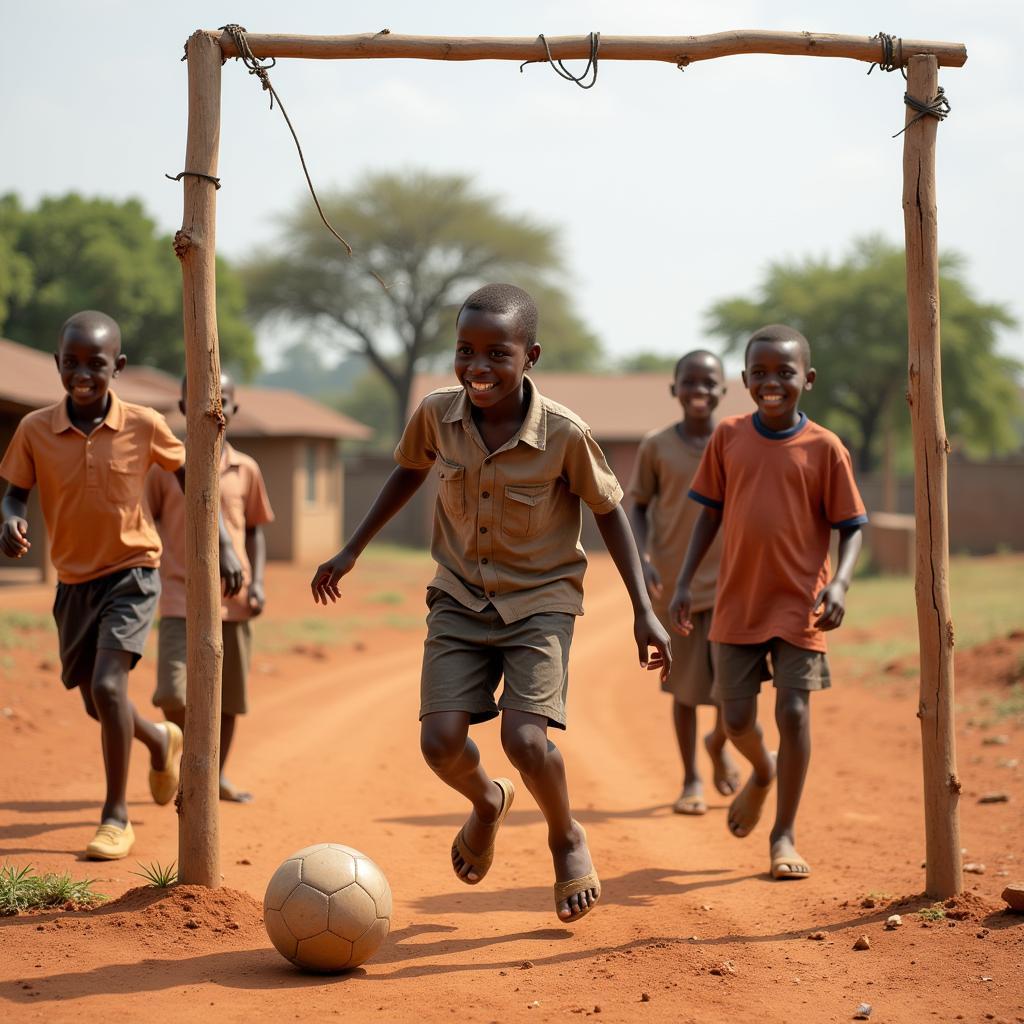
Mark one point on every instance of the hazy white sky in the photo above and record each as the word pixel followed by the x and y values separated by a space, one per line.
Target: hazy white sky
pixel 672 189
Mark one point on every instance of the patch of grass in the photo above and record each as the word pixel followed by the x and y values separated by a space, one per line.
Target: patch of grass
pixel 1012 705
pixel 278 636
pixel 936 912
pixel 22 889
pixel 158 875
pixel 403 621
pixel 387 597
pixel 16 628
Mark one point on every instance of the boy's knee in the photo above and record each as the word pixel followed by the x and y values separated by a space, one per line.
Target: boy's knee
pixel 526 748
pixel 791 711
pixel 739 716
pixel 440 747
pixel 106 692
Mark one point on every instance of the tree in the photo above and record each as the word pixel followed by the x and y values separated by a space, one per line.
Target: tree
pixel 73 253
pixel 432 239
pixel 648 362
pixel 854 314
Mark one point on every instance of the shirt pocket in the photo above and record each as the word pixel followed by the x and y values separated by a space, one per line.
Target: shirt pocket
pixel 524 509
pixel 452 487
pixel 124 482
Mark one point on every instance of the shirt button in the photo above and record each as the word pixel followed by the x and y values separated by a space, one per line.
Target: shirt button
pixel 483 561
pixel 486 494
pixel 487 462
pixel 483 529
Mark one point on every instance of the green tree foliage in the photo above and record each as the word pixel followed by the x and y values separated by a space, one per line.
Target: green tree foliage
pixel 432 239
pixel 853 311
pixel 72 253
pixel 648 362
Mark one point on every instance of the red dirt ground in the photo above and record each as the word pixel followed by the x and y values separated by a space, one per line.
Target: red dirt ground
pixel 331 752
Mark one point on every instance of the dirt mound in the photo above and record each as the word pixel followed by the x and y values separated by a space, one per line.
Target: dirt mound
pixel 184 916
pixel 967 906
pixel 998 663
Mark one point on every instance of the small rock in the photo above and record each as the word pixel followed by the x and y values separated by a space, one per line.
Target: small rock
pixel 645 997
pixel 862 1012
pixel 863 942
pixel 1013 894
pixel 705 906
pixel 974 868
pixel 996 741
pixel 724 968
pixel 192 923
pixel 533 1005
pixel 526 965
pixel 994 798
pixel 868 903
pixel 893 921
pixel 985 977
pixel 818 936
pixel 244 860
pixel 981 933
pixel 597 1009
pixel 1008 762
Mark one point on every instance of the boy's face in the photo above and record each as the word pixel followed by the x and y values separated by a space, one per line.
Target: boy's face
pixel 491 356
pixel 88 358
pixel 777 375
pixel 699 386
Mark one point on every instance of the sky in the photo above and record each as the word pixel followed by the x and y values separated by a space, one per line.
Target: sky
pixel 670 189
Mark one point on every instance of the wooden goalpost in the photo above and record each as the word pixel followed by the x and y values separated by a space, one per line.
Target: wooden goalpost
pixel 195 246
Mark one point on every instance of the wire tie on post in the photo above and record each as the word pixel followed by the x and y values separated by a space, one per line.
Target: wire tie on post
pixel 563 72
pixel 194 174
pixel 938 108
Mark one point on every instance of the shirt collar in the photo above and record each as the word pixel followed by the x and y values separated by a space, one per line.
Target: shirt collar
pixel 779 435
pixel 229 458
pixel 114 418
pixel 534 430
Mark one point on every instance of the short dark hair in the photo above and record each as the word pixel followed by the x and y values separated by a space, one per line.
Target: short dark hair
pixel 780 332
pixel 697 352
pixel 506 300
pixel 91 322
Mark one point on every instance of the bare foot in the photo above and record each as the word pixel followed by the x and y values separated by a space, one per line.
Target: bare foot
pixel 786 862
pixel 727 775
pixel 691 799
pixel 232 794
pixel 572 861
pixel 478 834
pixel 745 809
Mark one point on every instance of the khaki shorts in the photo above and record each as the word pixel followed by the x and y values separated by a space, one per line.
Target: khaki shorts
pixel 741 668
pixel 170 667
pixel 693 671
pixel 467 654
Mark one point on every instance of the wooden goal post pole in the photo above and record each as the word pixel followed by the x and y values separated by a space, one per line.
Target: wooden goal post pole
pixel 195 246
pixel 944 875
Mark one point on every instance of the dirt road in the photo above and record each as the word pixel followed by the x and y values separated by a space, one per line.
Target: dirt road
pixel 331 752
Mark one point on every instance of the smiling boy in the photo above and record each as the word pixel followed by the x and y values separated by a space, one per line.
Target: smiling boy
pixel 513 469
pixel 777 484
pixel 89 454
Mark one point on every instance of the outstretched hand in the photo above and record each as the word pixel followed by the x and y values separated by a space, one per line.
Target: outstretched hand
pixel 679 612
pixel 14 542
pixel 325 580
pixel 649 633
pixel 832 602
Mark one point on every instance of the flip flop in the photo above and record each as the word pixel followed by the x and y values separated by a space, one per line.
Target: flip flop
pixel 692 805
pixel 783 865
pixel 481 862
pixel 566 890
pixel 745 809
pixel 163 784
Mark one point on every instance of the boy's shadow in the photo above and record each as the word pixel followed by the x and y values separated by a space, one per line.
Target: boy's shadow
pixel 586 816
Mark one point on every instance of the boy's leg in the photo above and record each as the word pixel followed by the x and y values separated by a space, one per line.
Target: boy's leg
pixel 234 699
pixel 525 740
pixel 792 714
pixel 455 759
pixel 691 800
pixel 726 774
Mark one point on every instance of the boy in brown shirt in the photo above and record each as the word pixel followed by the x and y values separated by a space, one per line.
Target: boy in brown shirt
pixel 513 467
pixel 89 454
pixel 245 509
pixel 777 484
pixel 663 518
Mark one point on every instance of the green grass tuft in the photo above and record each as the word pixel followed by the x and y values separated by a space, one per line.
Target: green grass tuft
pixel 158 875
pixel 22 889
pixel 932 913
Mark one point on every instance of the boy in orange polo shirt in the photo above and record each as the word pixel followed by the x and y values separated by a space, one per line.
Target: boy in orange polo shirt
pixel 777 485
pixel 514 470
pixel 245 508
pixel 89 454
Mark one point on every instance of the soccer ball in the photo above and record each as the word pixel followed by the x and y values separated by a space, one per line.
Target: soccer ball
pixel 327 908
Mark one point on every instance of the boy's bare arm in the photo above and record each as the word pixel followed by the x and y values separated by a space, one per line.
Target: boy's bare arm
pixel 230 566
pixel 832 600
pixel 638 520
pixel 256 552
pixel 399 487
pixel 704 532
pixel 14 540
pixel 647 630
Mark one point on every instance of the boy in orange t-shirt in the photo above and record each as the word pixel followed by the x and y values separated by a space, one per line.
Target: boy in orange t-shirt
pixel 777 485
pixel 89 454
pixel 245 508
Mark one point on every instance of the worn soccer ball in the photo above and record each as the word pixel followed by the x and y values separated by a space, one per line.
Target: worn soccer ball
pixel 327 908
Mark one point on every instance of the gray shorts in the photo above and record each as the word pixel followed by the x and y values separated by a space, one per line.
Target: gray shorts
pixel 741 668
pixel 693 673
pixel 467 654
pixel 171 676
pixel 112 613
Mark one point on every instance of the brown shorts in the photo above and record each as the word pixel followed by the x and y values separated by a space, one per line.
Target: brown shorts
pixel 741 668
pixel 692 667
pixel 467 654
pixel 170 666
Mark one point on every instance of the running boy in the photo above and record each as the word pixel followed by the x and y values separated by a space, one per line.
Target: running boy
pixel 513 467
pixel 245 507
pixel 89 453
pixel 663 519
pixel 777 484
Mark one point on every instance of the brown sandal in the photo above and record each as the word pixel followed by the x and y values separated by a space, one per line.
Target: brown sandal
pixel 481 862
